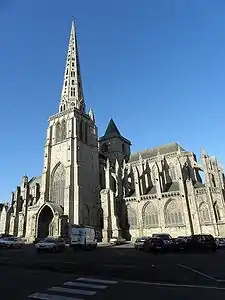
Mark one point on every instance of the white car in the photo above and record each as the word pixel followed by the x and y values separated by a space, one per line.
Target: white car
pixel 117 241
pixel 50 244
pixel 11 242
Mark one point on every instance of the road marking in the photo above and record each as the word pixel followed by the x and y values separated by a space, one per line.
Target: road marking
pixel 200 273
pixel 72 291
pixel 50 297
pixel 88 285
pixel 174 285
pixel 97 280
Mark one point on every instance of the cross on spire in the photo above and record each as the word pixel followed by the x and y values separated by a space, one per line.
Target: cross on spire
pixel 72 91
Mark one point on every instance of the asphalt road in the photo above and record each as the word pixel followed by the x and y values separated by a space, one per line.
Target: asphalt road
pixel 108 273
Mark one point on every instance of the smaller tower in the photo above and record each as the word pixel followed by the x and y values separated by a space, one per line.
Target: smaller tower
pixel 113 145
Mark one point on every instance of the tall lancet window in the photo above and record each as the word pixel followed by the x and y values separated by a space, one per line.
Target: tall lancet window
pixel 57 132
pixel 58 185
pixel 63 130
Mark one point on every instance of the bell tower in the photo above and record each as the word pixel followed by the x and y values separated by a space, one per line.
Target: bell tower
pixel 70 172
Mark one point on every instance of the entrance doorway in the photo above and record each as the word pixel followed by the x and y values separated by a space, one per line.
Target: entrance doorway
pixel 44 221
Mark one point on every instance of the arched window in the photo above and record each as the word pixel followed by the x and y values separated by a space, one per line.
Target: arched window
pixel 86 132
pixel 173 214
pixel 204 213
pixel 58 185
pixel 57 132
pixel 81 130
pixel 86 215
pixel 132 218
pixel 63 130
pixel 150 216
pixel 100 218
pixel 172 172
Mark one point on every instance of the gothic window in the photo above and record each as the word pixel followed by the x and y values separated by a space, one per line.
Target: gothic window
pixel 86 132
pixel 67 72
pixel 173 214
pixel 65 83
pixel 57 132
pixel 100 218
pixel 58 185
pixel 172 172
pixel 213 180
pixel 72 74
pixel 217 212
pixel 72 64
pixel 63 130
pixel 72 82
pixel 132 218
pixel 204 213
pixel 73 92
pixel 81 130
pixel 150 216
pixel 86 215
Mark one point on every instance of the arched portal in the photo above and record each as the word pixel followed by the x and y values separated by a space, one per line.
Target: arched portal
pixel 44 220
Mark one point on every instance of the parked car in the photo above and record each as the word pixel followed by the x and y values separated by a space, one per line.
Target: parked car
pixel 201 242
pixel 154 245
pixel 220 242
pixel 139 243
pixel 166 238
pixel 11 242
pixel 117 241
pixel 50 244
pixel 180 243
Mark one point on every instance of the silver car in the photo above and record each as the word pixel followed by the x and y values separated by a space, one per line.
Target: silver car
pixel 50 244
pixel 11 242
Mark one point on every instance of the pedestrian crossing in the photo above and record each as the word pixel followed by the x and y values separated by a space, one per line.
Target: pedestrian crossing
pixel 74 290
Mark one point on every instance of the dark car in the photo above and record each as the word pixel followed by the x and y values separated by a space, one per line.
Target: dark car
pixel 220 242
pixel 201 242
pixel 139 243
pixel 166 238
pixel 180 243
pixel 154 245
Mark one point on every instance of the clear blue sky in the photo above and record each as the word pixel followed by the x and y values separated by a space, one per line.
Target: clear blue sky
pixel 157 67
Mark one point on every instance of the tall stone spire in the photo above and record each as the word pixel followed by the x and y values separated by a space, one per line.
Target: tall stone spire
pixel 72 92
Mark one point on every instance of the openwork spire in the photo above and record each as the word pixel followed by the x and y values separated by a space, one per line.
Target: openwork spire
pixel 72 92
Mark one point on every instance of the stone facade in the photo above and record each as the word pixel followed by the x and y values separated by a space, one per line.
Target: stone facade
pixel 97 181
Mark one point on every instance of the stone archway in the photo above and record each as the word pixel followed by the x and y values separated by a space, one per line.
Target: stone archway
pixel 44 221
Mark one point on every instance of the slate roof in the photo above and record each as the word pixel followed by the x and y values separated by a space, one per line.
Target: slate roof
pixel 35 180
pixel 149 153
pixel 199 185
pixel 112 131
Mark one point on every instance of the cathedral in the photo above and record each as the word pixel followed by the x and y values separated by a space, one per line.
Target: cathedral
pixel 97 181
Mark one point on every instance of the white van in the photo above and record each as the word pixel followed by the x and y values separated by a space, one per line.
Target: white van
pixel 83 237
